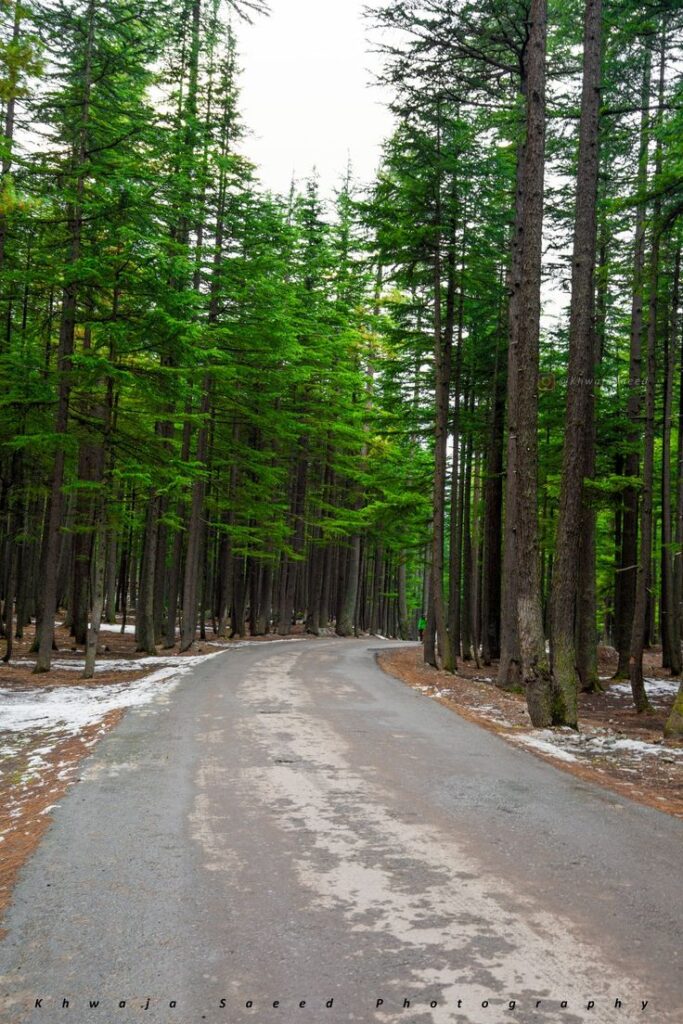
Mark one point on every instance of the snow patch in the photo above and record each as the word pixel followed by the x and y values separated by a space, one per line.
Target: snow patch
pixel 653 688
pixel 568 745
pixel 545 746
pixel 71 709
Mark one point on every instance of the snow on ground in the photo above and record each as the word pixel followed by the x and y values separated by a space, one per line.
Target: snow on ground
pixel 75 663
pixel 489 711
pixel 112 627
pixel 115 627
pixel 546 742
pixel 568 745
pixel 655 688
pixel 592 743
pixel 72 708
pixel 37 722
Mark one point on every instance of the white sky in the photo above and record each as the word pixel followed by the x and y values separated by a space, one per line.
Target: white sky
pixel 307 95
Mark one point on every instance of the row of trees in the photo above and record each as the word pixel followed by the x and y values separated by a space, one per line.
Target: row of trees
pixel 191 430
pixel 522 127
pixel 231 410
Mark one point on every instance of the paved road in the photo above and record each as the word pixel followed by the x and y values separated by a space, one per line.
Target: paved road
pixel 294 826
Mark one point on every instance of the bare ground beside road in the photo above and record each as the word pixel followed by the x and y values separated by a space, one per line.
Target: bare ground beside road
pixel 615 748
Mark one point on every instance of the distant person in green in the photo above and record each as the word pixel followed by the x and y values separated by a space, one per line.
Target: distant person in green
pixel 421 626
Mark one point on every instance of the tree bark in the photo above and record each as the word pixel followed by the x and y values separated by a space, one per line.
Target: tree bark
pixel 629 530
pixel 442 364
pixel 145 640
pixel 195 530
pixel 347 611
pixel 639 629
pixel 510 666
pixel 51 538
pixel 536 673
pixel 403 624
pixel 671 641
pixel 493 510
pixel 580 385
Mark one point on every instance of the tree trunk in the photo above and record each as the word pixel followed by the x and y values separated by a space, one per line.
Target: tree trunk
pixel 678 560
pixel 403 624
pixel 300 479
pixel 510 666
pixel 8 128
pixel 674 723
pixel 536 673
pixel 442 362
pixel 671 642
pixel 580 385
pixel 629 553
pixel 110 584
pixel 144 611
pixel 51 538
pixel 468 582
pixel 97 568
pixel 195 530
pixel 639 629
pixel 346 618
pixel 493 508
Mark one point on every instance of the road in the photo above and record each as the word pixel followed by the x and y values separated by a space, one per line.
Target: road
pixel 294 826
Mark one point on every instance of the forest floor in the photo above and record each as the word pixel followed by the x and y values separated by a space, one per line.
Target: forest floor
pixel 614 747
pixel 50 722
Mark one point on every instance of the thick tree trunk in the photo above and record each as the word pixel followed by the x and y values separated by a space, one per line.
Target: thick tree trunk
pixel 674 723
pixel 580 385
pixel 671 642
pixel 536 673
pixel 51 538
pixel 346 617
pixel 429 640
pixel 374 624
pixel 315 582
pixel 265 601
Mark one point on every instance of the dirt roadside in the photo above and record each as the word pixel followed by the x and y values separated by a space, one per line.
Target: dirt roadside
pixel 615 747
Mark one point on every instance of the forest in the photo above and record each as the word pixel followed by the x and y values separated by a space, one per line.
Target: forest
pixel 448 400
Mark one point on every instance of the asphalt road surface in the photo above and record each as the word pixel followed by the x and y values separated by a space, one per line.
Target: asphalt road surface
pixel 292 826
